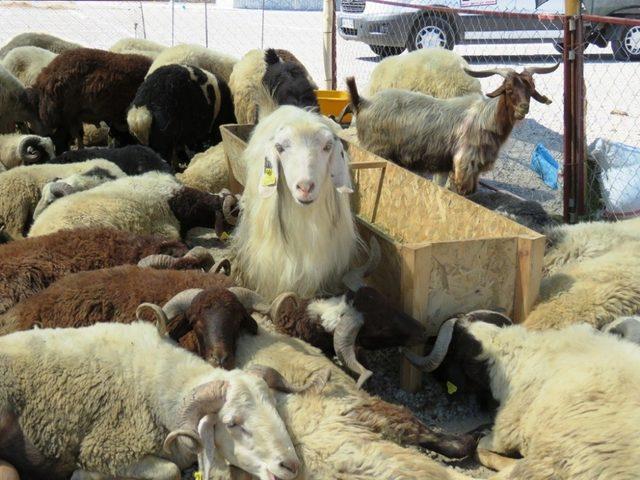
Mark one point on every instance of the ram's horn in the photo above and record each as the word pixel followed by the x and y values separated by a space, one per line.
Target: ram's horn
pixel 162 321
pixel 251 300
pixel 432 361
pixel 159 261
pixel 344 340
pixel 275 380
pixel 279 302
pixel 541 70
pixel 503 72
pixel 223 265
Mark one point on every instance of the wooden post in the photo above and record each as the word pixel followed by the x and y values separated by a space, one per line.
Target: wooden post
pixel 328 34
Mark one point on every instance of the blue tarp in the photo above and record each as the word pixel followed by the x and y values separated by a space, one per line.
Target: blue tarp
pixel 543 163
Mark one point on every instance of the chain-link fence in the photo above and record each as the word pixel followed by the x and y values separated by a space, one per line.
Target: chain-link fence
pixel 519 33
pixel 487 33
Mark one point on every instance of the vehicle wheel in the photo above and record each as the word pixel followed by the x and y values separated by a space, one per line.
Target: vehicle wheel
pixel 628 48
pixel 431 31
pixel 385 52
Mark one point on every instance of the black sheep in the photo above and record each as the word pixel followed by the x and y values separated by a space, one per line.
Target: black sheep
pixel 180 107
pixel 288 82
pixel 132 159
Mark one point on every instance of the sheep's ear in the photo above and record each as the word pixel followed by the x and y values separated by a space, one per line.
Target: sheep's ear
pixel 269 178
pixel 339 168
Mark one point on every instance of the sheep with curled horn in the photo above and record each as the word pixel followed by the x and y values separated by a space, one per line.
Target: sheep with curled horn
pixel 462 135
pixel 579 381
pixel 361 316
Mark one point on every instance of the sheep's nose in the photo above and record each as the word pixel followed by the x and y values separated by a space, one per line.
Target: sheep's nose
pixel 291 465
pixel 305 186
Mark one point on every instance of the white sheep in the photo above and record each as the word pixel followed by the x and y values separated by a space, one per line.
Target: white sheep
pixel 595 290
pixel 153 203
pixel 140 46
pixel 462 135
pixel 15 105
pixel 77 182
pixel 207 171
pixel 570 243
pixel 217 63
pixel 433 71
pixel 102 410
pixel 296 231
pixel 26 63
pixel 568 399
pixel 35 39
pixel 17 149
pixel 21 187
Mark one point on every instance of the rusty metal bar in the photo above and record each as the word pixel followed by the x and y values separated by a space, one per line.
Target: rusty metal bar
pixel 579 126
pixel 567 193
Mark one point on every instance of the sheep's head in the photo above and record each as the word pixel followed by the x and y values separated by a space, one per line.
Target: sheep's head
pixel 518 88
pixel 454 355
pixel 235 419
pixel 288 82
pixel 216 317
pixel 308 154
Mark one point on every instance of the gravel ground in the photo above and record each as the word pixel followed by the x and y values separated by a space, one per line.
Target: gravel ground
pixel 613 88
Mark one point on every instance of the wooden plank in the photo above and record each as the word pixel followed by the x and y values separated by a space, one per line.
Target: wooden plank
pixel 528 275
pixel 372 164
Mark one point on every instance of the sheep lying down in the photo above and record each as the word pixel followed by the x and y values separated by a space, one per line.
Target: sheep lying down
pixel 102 410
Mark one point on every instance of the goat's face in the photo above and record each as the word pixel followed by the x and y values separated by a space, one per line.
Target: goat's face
pixel 250 433
pixel 384 326
pixel 305 153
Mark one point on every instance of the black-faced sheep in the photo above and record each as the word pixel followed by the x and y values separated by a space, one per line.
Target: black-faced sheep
pixel 296 218
pixel 462 135
pixel 153 203
pixel 361 317
pixel 179 108
pixel 111 413
pixel 35 39
pixel 140 46
pixel 17 149
pixel 21 187
pixel 217 63
pixel 26 63
pixel 30 265
pixel 87 85
pixel 132 159
pixel 77 182
pixel 567 398
pixel 261 74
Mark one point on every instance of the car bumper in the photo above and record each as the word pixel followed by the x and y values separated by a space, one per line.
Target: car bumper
pixel 383 30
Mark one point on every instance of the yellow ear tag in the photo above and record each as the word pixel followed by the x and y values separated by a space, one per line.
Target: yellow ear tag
pixel 224 236
pixel 451 388
pixel 197 475
pixel 268 178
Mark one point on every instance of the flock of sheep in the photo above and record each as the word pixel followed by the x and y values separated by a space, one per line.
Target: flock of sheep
pixel 130 351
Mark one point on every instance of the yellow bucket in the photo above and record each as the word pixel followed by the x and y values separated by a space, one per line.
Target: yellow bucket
pixel 333 102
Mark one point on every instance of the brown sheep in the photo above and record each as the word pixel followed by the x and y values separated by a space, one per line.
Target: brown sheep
pixel 30 265
pixel 90 86
pixel 214 315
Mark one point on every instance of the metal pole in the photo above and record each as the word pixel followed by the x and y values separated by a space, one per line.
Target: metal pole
pixel 144 25
pixel 206 26
pixel 173 22
pixel 328 14
pixel 581 139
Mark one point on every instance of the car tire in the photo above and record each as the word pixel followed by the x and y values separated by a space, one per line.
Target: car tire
pixel 431 31
pixel 627 49
pixel 385 52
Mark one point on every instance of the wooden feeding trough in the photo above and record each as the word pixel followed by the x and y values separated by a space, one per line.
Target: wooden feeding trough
pixel 442 254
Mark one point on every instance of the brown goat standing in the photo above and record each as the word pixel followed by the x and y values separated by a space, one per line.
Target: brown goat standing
pixel 462 135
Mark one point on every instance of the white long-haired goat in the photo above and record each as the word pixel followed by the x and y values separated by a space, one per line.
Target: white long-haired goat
pixel 296 231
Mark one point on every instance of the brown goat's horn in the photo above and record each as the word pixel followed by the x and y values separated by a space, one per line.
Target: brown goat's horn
pixel 158 261
pixel 279 302
pixel 275 380
pixel 227 206
pixel 201 254
pixel 344 340
pixel 541 70
pixel 161 318
pixel 221 265
pixel 180 302
pixel 503 72
pixel 354 279
pixel 432 361
pixel 251 300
